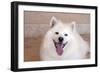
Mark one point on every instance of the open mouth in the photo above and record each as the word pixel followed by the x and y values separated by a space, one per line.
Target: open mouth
pixel 59 47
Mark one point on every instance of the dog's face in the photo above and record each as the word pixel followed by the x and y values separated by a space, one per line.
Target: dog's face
pixel 61 34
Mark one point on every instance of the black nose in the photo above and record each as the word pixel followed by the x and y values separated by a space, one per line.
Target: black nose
pixel 60 39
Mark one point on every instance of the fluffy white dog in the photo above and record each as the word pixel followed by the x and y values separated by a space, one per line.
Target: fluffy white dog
pixel 62 42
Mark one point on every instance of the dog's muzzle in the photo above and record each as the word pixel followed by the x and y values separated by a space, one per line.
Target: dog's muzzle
pixel 59 47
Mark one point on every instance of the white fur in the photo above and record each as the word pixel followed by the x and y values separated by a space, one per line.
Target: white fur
pixel 76 48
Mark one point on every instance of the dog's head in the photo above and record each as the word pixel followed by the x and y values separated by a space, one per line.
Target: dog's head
pixel 61 34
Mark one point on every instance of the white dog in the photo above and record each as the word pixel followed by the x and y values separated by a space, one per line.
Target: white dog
pixel 62 42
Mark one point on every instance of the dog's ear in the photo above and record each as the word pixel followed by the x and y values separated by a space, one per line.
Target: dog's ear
pixel 73 26
pixel 53 21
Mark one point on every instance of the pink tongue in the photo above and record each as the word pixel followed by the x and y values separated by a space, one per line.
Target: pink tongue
pixel 59 49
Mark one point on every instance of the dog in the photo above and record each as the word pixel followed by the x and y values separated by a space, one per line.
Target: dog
pixel 62 42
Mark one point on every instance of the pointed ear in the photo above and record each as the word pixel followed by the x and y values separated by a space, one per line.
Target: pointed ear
pixel 73 26
pixel 53 21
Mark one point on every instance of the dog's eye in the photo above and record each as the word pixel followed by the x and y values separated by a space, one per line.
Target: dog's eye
pixel 66 34
pixel 56 32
